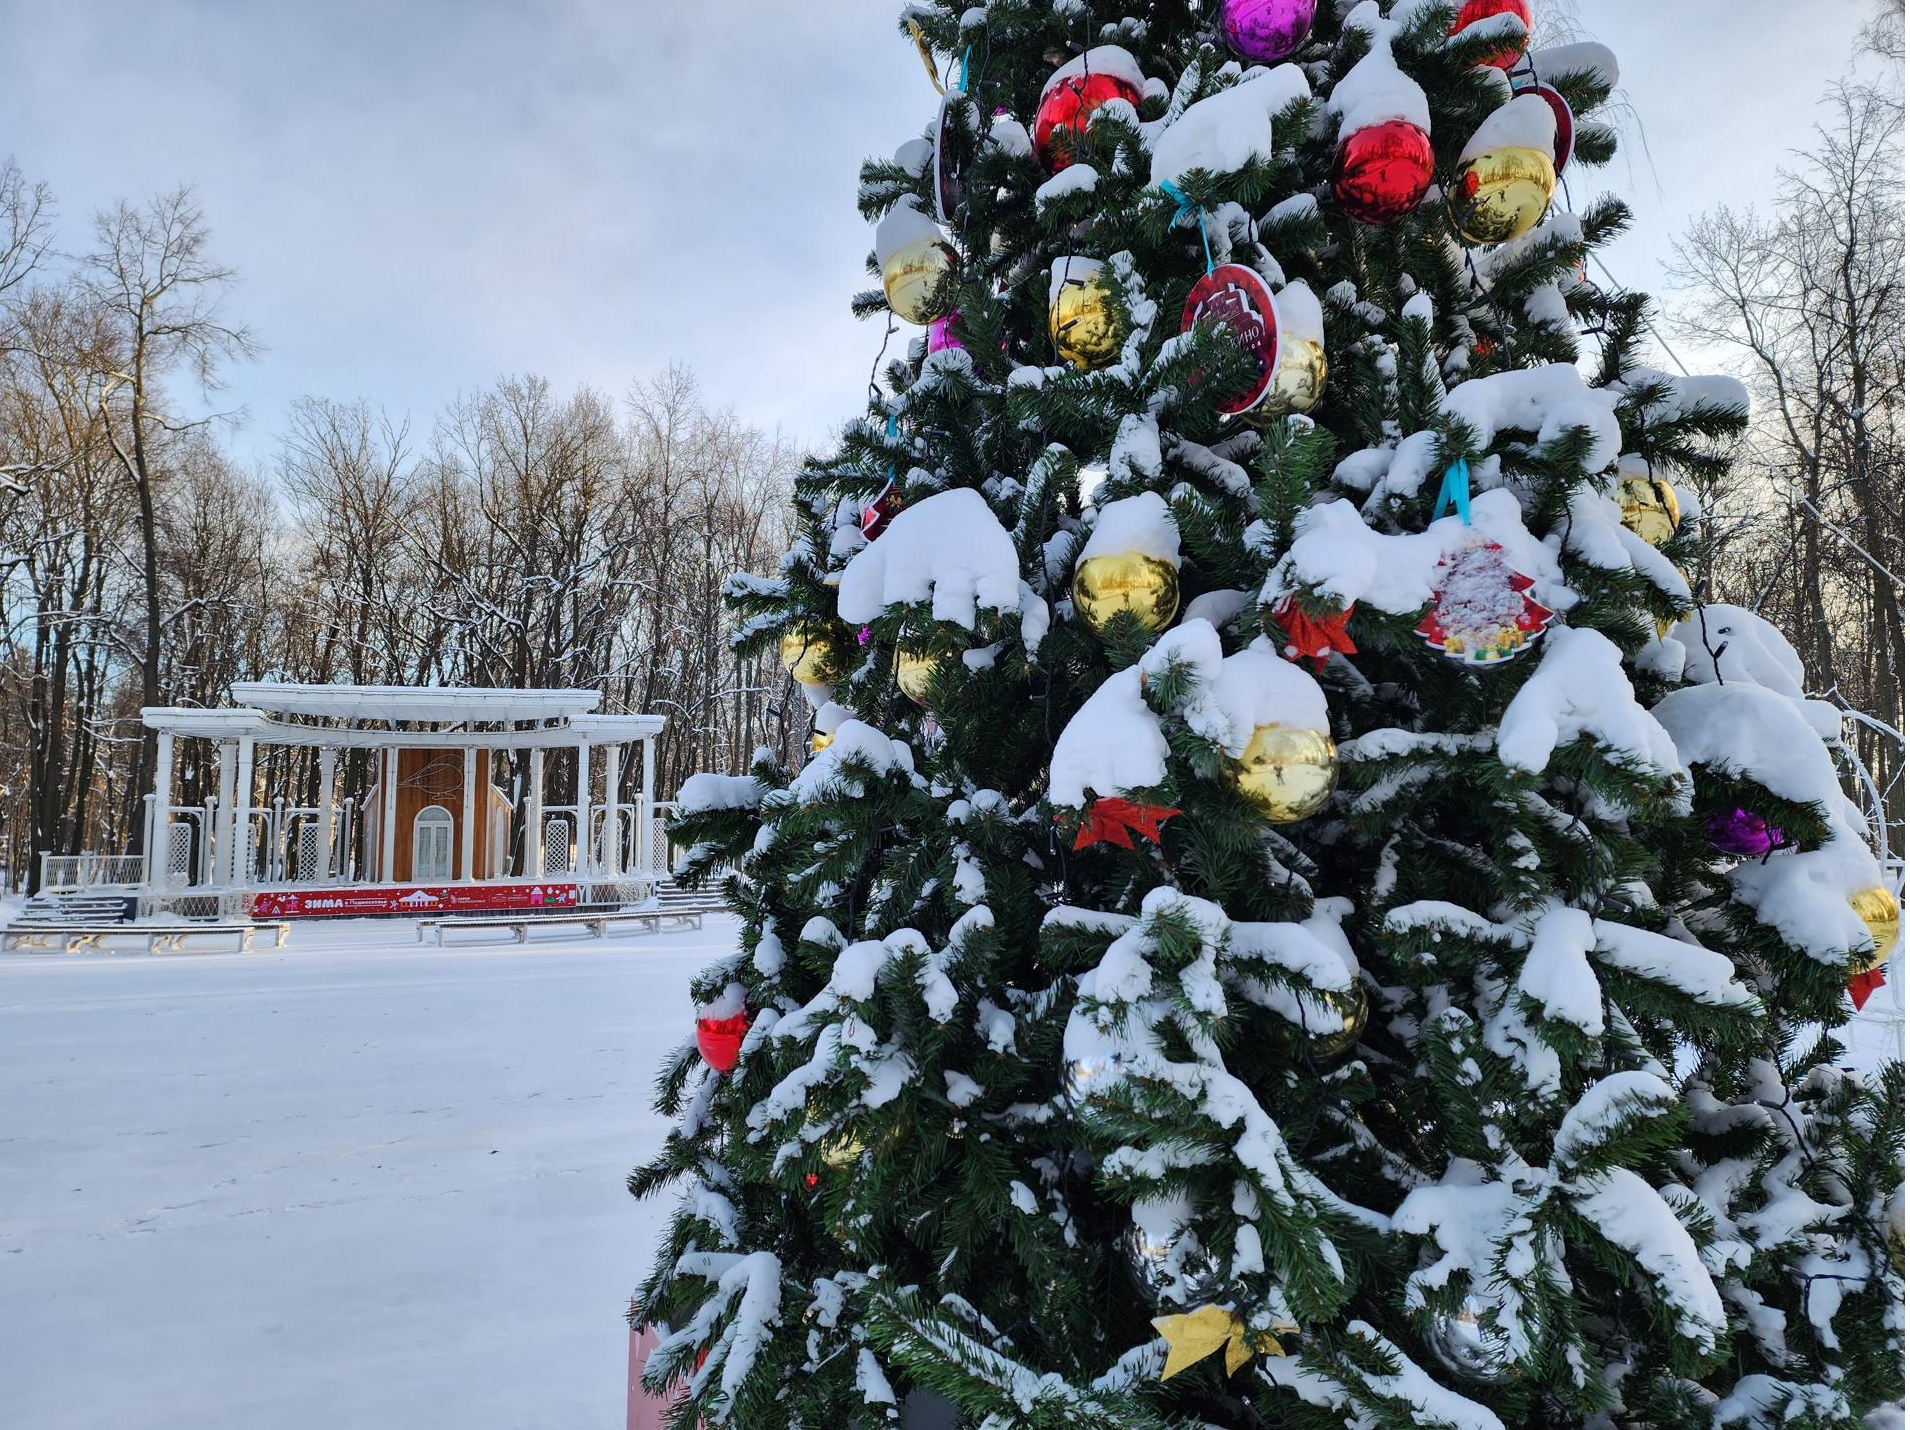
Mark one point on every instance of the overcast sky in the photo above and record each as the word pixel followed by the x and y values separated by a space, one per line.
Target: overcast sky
pixel 423 194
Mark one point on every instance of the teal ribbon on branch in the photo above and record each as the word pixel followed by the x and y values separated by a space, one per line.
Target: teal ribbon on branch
pixel 1455 491
pixel 961 81
pixel 1184 206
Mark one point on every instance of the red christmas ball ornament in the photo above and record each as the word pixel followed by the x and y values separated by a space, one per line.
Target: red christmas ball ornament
pixel 1239 300
pixel 719 1038
pixel 1380 173
pixel 1074 92
pixel 1473 11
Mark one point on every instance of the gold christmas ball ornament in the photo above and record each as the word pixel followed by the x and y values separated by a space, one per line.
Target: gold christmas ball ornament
pixel 819 742
pixel 919 280
pixel 1288 770
pixel 1877 907
pixel 1105 586
pixel 1084 320
pixel 1649 508
pixel 805 653
pixel 1351 1006
pixel 1502 193
pixel 1299 380
pixel 913 674
pixel 841 1152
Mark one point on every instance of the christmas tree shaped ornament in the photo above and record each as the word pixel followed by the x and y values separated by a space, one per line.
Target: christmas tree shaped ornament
pixel 1482 610
pixel 1264 32
pixel 1517 36
pixel 805 653
pixel 1238 299
pixel 1299 374
pixel 1084 320
pixel 1649 508
pixel 1564 126
pixel 1072 94
pixel 1467 1346
pixel 1288 771
pixel 1130 563
pixel 918 265
pixel 1505 172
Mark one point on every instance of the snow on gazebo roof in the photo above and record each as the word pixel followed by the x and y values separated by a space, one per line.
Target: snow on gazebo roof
pixel 436 704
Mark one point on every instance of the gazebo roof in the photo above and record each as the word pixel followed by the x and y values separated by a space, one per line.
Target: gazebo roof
pixel 431 704
pixel 367 716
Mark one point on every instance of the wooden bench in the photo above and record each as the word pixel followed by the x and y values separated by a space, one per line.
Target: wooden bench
pixel 160 938
pixel 685 908
pixel 598 924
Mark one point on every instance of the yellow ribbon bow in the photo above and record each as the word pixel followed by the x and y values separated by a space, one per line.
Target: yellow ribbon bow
pixel 928 56
pixel 1198 1334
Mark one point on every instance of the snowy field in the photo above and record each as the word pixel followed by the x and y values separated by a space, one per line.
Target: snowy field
pixel 355 1184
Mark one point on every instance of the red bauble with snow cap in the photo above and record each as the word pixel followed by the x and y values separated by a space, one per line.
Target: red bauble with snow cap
pixel 1380 173
pixel 1473 11
pixel 1074 92
pixel 719 1035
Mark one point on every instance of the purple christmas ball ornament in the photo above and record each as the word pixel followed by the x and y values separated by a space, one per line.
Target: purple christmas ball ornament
pixel 1742 833
pixel 1265 31
pixel 941 334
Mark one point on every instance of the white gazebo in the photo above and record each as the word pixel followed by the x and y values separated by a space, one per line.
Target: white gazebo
pixel 430 830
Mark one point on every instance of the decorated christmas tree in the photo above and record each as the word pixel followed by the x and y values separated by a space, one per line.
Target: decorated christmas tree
pixel 1297 913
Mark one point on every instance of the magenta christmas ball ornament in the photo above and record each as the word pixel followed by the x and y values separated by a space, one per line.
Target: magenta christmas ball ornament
pixel 1265 31
pixel 941 334
pixel 1742 833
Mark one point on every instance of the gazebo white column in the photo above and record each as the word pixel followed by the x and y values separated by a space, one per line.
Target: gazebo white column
pixel 388 818
pixel 611 859
pixel 583 808
pixel 646 810
pixel 228 779
pixel 327 810
pixel 467 827
pixel 534 818
pixel 158 832
pixel 241 872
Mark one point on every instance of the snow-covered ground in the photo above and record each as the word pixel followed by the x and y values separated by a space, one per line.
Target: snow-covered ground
pixel 352 1185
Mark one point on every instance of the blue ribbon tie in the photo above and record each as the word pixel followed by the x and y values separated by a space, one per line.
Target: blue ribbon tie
pixel 1455 491
pixel 1183 207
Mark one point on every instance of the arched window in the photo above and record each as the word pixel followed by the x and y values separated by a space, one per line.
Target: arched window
pixel 431 844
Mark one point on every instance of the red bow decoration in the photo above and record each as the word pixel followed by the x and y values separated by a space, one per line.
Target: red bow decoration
pixel 1313 638
pixel 1865 984
pixel 1109 820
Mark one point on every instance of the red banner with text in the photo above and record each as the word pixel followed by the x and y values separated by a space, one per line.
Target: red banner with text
pixel 417 899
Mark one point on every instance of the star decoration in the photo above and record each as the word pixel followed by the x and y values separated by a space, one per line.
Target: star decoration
pixel 1109 821
pixel 1313 638
pixel 1198 1334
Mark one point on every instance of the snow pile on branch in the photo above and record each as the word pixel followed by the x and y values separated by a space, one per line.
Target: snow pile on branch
pixel 1729 643
pixel 1629 1214
pixel 947 549
pixel 1113 744
pixel 1375 90
pixel 1685 395
pixel 1299 313
pixel 1255 687
pixel 1227 131
pixel 1336 554
pixel 704 792
pixel 1546 400
pixel 856 751
pixel 1141 524
pixel 1748 732
pixel 1581 689
pixel 1587 57
pixel 1526 123
pixel 1075 179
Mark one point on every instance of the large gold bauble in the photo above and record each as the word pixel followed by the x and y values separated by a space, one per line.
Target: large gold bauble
pixel 913 674
pixel 1288 770
pixel 841 1152
pixel 1299 380
pixel 1649 508
pixel 1503 192
pixel 1084 321
pixel 919 280
pixel 805 653
pixel 1104 586
pixel 1351 1006
pixel 1877 907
